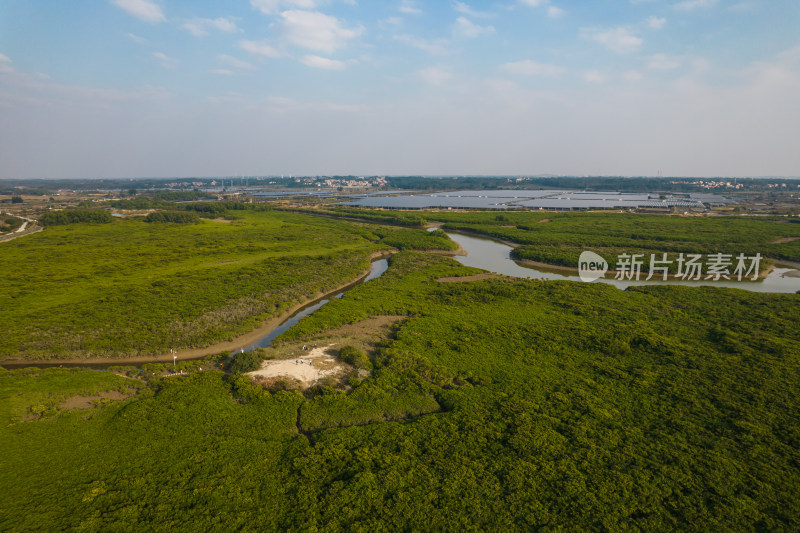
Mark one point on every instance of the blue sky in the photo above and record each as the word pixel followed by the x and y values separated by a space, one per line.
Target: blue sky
pixel 126 88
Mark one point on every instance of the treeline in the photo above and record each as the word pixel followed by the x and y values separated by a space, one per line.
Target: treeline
pixel 385 217
pixel 74 216
pixel 175 217
pixel 205 209
pixel 158 199
pixel 28 191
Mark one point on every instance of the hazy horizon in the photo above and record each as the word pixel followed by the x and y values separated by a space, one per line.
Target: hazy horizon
pixel 124 89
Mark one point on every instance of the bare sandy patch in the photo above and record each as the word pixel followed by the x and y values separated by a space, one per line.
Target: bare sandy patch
pixel 303 368
pixel 307 369
pixel 545 220
pixel 88 402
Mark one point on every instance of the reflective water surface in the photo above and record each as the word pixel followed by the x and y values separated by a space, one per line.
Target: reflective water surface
pixel 494 256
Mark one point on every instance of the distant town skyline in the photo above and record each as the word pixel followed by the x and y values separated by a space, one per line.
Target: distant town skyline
pixel 157 88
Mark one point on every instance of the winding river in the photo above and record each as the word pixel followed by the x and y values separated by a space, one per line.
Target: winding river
pixel 377 269
pixel 494 256
pixel 487 254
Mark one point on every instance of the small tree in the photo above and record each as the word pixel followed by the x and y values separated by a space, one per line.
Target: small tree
pixel 16 199
pixel 244 362
pixel 355 357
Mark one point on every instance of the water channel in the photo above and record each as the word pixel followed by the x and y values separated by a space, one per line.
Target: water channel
pixel 495 256
pixel 377 269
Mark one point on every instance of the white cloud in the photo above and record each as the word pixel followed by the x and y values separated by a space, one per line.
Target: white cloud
pixel 142 9
pixel 259 48
pixel 235 62
pixel 691 5
pixel 437 47
pixel 465 29
pixel 594 76
pixel 663 62
pixel 552 11
pixel 317 31
pixel 409 7
pixel 166 61
pixel 656 23
pixel 465 9
pixel 5 65
pixel 269 7
pixel 195 29
pixel 621 40
pixel 434 75
pixel 200 27
pixel 221 72
pixel 323 63
pixel 136 38
pixel 390 22
pixel 532 68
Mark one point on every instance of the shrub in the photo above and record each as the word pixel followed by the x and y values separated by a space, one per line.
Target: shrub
pixel 244 362
pixel 355 357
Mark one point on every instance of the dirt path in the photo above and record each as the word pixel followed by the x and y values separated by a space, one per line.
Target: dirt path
pixel 21 232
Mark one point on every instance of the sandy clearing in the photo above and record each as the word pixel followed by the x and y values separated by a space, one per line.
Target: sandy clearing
pixel 87 402
pixel 307 368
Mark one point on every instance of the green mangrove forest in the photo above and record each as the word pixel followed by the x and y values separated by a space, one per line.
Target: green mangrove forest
pixel 491 405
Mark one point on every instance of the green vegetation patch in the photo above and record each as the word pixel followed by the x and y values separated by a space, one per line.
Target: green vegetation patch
pixel 497 405
pixel 133 288
pixel 559 238
pixel 76 216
